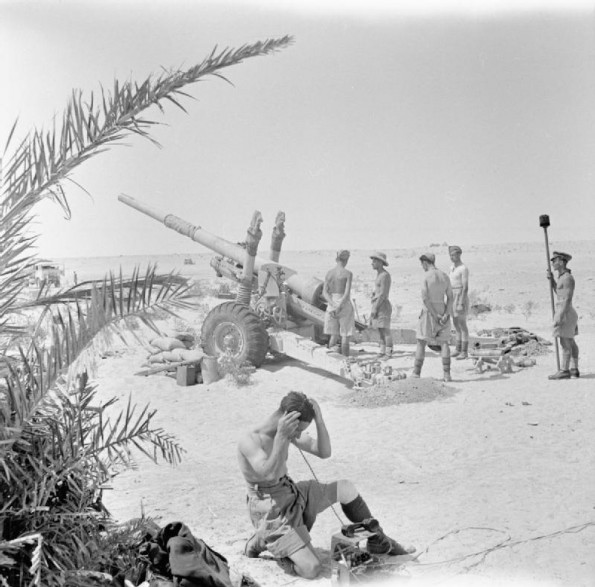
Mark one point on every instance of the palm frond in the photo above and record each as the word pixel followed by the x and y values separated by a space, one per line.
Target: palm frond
pixel 76 317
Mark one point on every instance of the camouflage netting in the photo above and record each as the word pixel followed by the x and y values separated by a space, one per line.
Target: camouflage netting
pixel 403 391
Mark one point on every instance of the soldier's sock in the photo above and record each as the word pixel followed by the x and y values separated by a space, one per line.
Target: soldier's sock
pixel 446 365
pixel 457 348
pixel 417 365
pixel 389 351
pixel 356 510
pixel 464 349
pixel 565 360
pixel 382 349
pixel 574 353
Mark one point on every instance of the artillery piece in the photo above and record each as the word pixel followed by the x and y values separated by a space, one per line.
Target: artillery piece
pixel 275 309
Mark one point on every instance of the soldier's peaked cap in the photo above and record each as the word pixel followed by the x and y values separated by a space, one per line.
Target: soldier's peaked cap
pixel 564 256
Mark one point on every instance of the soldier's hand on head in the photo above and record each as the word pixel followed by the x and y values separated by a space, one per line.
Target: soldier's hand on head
pixel 288 425
pixel 317 410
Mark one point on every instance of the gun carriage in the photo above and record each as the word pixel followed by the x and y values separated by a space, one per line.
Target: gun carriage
pixel 276 308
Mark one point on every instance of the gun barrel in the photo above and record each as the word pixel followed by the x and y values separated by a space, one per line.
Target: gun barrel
pixel 196 233
pixel 308 288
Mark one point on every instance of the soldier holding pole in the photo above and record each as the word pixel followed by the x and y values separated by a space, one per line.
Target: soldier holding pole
pixel 565 316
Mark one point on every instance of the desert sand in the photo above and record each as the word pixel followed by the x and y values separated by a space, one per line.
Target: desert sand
pixel 491 477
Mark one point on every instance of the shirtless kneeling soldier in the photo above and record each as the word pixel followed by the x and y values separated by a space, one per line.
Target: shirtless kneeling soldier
pixel 283 511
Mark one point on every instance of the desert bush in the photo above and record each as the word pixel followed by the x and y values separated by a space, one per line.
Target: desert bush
pixel 232 368
pixel 397 311
pixel 509 308
pixel 478 303
pixel 528 307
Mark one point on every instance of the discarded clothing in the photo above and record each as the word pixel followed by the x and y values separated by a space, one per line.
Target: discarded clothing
pixel 179 559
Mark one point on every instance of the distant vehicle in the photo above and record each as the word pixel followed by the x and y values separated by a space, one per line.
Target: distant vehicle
pixel 188 261
pixel 50 273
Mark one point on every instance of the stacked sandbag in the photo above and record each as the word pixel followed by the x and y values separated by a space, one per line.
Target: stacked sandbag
pixel 187 338
pixel 171 349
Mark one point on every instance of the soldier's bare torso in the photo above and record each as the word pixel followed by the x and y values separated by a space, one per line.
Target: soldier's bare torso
pixel 336 280
pixel 381 285
pixel 436 283
pixel 258 440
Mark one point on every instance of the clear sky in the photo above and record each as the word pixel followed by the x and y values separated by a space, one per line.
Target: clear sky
pixel 385 125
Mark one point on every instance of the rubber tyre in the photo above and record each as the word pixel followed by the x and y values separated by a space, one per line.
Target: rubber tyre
pixel 250 340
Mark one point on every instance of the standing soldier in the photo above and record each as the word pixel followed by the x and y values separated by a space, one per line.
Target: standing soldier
pixel 339 319
pixel 381 307
pixel 459 281
pixel 565 316
pixel 434 320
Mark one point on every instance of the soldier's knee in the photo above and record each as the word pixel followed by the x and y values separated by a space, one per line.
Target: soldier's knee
pixel 309 569
pixel 346 491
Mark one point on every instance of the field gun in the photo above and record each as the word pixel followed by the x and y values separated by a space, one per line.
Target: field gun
pixel 276 308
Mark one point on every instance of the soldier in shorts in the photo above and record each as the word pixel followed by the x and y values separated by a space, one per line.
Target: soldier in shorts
pixel 339 318
pixel 434 321
pixel 565 316
pixel 459 281
pixel 283 511
pixel 381 307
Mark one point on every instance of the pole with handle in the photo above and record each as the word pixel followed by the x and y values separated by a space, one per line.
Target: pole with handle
pixel 544 222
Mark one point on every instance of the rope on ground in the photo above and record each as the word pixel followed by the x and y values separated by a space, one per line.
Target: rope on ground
pixel 506 543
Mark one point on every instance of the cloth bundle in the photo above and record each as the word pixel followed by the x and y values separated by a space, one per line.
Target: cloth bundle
pixel 177 559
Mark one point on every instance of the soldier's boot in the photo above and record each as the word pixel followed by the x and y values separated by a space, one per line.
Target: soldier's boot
pixel 464 350
pixel 562 374
pixel 358 511
pixel 457 350
pixel 417 365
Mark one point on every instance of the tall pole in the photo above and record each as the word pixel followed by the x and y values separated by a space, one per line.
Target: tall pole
pixel 544 222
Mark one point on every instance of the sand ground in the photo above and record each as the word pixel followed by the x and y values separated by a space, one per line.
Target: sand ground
pixel 493 481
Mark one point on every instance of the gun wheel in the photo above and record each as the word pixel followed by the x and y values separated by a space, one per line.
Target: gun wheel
pixel 236 329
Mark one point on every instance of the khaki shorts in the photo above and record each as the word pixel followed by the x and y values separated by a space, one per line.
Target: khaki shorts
pixel 283 514
pixel 430 331
pixel 383 316
pixel 459 298
pixel 340 323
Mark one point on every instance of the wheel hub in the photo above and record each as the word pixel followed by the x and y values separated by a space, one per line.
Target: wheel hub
pixel 228 339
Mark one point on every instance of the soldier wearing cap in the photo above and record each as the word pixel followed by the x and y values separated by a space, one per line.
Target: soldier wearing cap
pixel 339 319
pixel 565 316
pixel 459 281
pixel 434 320
pixel 382 309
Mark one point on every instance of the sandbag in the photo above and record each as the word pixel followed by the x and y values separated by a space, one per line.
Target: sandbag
pixel 190 354
pixel 167 343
